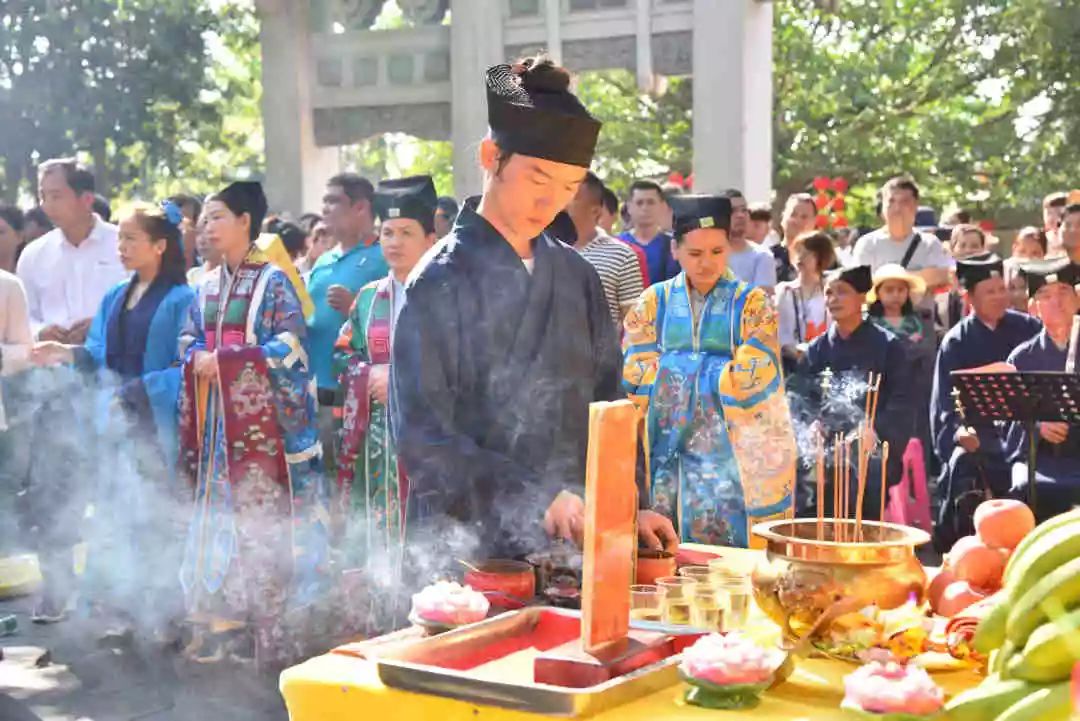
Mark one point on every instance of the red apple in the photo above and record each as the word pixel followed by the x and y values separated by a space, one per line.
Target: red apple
pixel 978 564
pixel 1003 522
pixel 937 587
pixel 957 596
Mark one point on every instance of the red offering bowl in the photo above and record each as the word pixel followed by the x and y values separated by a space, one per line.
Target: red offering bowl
pixel 652 565
pixel 512 578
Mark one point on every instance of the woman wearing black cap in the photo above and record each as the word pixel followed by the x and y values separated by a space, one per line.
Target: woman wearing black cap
pixel 506 336
pixel 373 489
pixel 702 357
pixel 249 444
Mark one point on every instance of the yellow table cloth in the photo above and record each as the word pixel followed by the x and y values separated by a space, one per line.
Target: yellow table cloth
pixel 336 687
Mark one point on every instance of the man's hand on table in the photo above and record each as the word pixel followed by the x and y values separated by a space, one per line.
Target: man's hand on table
pixel 656 532
pixel 565 517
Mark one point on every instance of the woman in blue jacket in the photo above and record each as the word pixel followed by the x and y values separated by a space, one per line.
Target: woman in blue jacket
pixel 131 355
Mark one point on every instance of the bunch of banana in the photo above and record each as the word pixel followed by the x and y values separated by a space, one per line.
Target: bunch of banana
pixel 1033 635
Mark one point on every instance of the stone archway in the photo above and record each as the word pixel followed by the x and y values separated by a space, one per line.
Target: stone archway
pixel 330 79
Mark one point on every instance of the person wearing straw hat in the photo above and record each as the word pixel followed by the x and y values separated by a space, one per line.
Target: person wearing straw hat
pixel 892 306
pixel 892 301
pixel 1051 286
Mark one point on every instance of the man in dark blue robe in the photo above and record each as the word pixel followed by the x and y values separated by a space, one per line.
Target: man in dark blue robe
pixel 831 386
pixel 1051 287
pixel 504 341
pixel 972 454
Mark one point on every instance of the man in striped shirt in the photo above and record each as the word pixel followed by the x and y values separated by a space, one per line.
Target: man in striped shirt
pixel 615 262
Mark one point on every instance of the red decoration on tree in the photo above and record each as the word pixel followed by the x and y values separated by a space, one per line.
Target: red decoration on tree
pixel 830 202
pixel 689 182
pixel 676 178
pixel 987 225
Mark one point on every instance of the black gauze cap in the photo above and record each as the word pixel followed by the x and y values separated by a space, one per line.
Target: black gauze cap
pixel 413 197
pixel 562 227
pixel 859 277
pixel 532 112
pixel 1038 273
pixel 245 196
pixel 972 271
pixel 700 211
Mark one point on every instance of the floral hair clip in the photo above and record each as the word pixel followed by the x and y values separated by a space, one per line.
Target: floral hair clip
pixel 172 212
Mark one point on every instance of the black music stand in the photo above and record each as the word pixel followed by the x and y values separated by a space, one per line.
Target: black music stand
pixel 1024 397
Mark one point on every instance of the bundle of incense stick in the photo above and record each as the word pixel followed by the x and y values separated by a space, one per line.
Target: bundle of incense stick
pixel 820 472
pixel 841 452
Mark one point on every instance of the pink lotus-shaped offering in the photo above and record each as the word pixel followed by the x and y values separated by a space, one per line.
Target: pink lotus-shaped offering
pixel 889 688
pixel 450 603
pixel 730 658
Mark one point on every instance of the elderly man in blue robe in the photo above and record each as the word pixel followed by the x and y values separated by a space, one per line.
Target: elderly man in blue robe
pixel 973 454
pixel 1051 286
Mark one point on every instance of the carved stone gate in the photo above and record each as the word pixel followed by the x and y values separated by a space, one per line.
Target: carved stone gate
pixel 330 79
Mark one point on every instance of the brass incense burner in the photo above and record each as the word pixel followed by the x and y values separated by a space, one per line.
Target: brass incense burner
pixel 807 581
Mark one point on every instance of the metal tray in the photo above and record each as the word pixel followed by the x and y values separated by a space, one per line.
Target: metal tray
pixel 425 666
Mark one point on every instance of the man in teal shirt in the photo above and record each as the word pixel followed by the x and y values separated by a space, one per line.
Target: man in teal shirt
pixel 355 260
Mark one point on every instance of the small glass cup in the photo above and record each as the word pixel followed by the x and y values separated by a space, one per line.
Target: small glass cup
pixel 739 591
pixel 645 603
pixel 676 598
pixel 709 609
pixel 702 574
pixel 732 564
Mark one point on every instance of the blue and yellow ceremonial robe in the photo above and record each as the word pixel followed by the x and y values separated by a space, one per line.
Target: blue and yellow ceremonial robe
pixel 719 440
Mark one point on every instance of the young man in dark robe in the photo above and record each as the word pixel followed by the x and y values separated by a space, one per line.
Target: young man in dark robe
pixel 1051 286
pixel 972 456
pixel 831 386
pixel 504 341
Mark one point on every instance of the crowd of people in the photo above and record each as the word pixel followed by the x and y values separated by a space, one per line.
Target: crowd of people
pixel 244 414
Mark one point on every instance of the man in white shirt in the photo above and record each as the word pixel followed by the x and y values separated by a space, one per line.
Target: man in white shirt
pixel 67 271
pixel 750 262
pixel 899 242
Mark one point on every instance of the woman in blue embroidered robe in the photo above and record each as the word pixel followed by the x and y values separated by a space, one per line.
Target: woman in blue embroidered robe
pixel 702 356
pixel 131 349
pixel 256 553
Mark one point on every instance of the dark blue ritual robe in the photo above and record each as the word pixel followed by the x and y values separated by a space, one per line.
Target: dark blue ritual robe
pixel 1057 465
pixel 970 344
pixel 493 372
pixel 841 407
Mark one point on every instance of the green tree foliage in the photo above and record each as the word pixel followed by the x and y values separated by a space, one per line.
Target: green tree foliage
pixel 113 80
pixel 643 135
pixel 942 89
pixel 978 99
